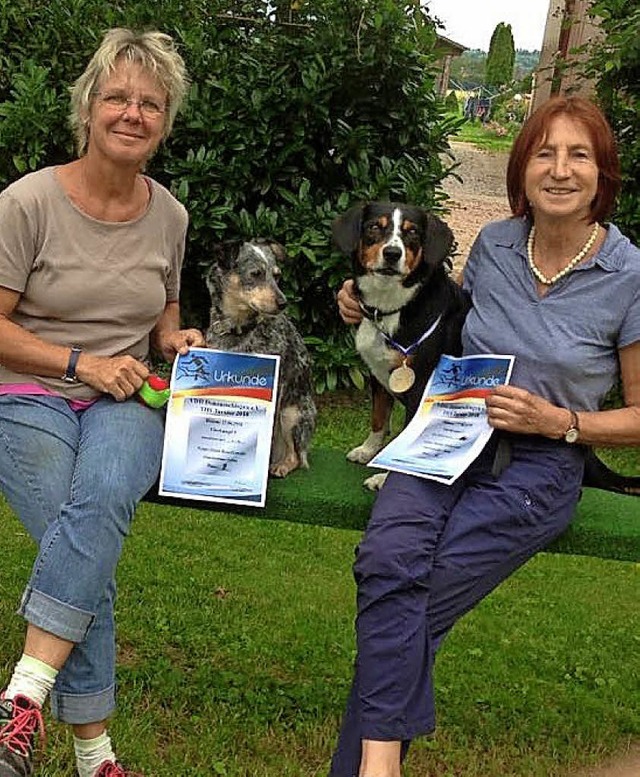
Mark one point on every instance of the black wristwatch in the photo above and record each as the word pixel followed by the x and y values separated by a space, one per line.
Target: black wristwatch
pixel 70 374
pixel 573 432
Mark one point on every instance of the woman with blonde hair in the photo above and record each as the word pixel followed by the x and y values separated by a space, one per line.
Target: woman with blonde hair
pixel 90 260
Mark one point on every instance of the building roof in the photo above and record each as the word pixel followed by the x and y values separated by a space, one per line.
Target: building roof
pixel 450 45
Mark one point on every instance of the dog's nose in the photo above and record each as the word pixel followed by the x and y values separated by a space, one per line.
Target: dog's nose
pixel 281 300
pixel 392 254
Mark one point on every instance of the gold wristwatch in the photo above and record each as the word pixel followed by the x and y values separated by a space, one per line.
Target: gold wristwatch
pixel 573 432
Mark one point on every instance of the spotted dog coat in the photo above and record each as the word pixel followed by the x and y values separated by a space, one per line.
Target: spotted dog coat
pixel 247 315
pixel 401 263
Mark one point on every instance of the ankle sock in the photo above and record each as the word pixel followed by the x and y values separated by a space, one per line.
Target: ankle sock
pixel 90 753
pixel 31 678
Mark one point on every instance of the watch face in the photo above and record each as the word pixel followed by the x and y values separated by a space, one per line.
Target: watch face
pixel 571 435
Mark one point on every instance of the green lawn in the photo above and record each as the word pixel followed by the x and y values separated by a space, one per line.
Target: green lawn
pixel 485 137
pixel 236 645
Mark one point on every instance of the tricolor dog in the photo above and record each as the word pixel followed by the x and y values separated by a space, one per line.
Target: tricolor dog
pixel 413 310
pixel 247 315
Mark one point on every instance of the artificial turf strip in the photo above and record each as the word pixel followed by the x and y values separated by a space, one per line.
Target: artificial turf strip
pixel 331 493
pixel 606 525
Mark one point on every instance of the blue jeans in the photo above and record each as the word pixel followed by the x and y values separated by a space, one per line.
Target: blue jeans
pixel 74 480
pixel 430 553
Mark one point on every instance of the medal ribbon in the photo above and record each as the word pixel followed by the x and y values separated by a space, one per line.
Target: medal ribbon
pixel 411 348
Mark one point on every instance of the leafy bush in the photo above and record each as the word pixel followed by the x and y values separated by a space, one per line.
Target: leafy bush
pixel 285 126
pixel 506 110
pixel 451 103
pixel 615 64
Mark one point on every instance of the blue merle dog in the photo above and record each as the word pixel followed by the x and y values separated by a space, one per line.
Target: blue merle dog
pixel 247 315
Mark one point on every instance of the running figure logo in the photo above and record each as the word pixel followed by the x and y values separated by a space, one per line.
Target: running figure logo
pixel 194 367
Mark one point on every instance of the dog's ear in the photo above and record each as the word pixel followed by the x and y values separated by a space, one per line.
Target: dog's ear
pixel 222 260
pixel 439 240
pixel 346 229
pixel 279 251
pixel 225 254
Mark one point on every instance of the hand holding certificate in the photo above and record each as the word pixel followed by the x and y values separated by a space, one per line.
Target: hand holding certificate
pixel 219 426
pixel 450 427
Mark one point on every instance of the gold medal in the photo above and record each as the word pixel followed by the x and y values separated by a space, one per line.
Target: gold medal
pixel 401 379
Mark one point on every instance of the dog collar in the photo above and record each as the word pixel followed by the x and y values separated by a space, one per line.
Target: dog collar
pixel 375 314
pixel 222 328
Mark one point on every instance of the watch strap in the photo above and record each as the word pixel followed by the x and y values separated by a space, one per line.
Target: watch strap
pixel 573 432
pixel 70 373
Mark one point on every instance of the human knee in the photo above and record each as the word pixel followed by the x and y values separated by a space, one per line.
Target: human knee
pixel 392 556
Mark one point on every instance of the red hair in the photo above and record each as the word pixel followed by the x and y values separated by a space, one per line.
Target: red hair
pixel 533 134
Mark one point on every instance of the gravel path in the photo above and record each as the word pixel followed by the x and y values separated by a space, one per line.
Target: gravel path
pixel 482 197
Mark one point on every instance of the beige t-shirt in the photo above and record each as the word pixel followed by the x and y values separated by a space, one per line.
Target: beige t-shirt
pixel 98 285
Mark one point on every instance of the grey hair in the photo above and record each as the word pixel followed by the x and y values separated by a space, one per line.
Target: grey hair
pixel 153 51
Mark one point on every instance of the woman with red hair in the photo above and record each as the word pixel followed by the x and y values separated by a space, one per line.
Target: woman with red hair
pixel 558 287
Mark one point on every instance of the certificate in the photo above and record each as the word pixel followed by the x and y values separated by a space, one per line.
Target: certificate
pixel 450 427
pixel 219 425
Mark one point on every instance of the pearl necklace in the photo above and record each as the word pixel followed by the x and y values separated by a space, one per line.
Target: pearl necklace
pixel 565 270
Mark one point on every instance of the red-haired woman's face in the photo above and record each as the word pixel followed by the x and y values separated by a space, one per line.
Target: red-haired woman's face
pixel 561 177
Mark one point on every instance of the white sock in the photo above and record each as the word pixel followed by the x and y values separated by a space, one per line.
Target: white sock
pixel 31 678
pixel 91 753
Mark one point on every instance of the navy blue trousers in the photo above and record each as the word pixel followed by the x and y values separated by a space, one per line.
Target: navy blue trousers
pixel 429 554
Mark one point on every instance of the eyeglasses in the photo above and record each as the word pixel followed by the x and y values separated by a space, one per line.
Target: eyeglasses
pixel 116 101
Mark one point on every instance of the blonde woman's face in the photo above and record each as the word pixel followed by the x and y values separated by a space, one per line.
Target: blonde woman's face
pixel 127 117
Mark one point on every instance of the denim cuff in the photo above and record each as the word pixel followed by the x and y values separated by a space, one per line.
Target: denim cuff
pixel 62 620
pixel 76 709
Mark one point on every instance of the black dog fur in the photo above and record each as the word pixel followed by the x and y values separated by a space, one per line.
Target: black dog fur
pixel 402 261
pixel 247 315
pixel 403 283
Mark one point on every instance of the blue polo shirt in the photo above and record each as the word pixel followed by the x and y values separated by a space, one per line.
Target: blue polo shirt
pixel 566 342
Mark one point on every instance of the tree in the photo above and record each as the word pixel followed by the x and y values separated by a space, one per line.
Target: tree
pixel 501 57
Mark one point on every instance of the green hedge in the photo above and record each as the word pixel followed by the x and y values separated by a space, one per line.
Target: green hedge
pixel 615 65
pixel 286 125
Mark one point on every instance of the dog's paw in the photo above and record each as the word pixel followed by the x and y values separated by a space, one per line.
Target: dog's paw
pixel 368 449
pixel 361 454
pixel 375 482
pixel 282 468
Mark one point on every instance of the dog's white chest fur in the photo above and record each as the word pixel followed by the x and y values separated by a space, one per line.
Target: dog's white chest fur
pixel 372 346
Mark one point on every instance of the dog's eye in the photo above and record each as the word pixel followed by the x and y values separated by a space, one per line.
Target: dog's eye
pixel 255 275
